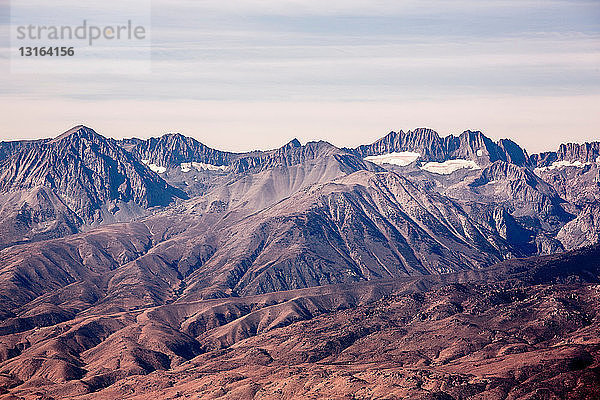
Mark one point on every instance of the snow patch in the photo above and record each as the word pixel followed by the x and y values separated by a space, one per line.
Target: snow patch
pixel 402 158
pixel 561 164
pixel 479 153
pixel 157 169
pixel 146 161
pixel 187 167
pixel 209 167
pixel 450 166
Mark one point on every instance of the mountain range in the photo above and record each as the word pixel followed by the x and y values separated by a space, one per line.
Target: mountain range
pixel 429 267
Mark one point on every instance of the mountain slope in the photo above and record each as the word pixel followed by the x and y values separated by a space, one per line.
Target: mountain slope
pixel 530 323
pixel 362 226
pixel 87 179
pixel 528 199
pixel 36 214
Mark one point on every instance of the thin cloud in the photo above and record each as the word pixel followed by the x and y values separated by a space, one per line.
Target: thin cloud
pixel 406 55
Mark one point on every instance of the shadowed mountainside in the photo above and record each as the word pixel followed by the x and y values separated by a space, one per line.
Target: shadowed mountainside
pixel 51 187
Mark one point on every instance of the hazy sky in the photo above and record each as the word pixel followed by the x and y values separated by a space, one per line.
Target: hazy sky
pixel 240 75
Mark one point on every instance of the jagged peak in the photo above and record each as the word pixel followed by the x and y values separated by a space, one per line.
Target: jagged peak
pixel 411 132
pixel 421 131
pixel 182 140
pixel 171 137
pixel 295 146
pixel 292 144
pixel 76 130
pixel 174 135
pixel 585 146
pixel 474 135
pixel 393 134
pixel 509 144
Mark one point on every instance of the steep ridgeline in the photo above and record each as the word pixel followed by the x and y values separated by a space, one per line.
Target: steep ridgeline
pixel 571 152
pixel 197 169
pixel 294 153
pixel 172 152
pixel 173 149
pixel 431 147
pixel 9 148
pixel 81 177
pixel 573 171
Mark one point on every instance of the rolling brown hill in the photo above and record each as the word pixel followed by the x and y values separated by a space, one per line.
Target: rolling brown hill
pixel 507 331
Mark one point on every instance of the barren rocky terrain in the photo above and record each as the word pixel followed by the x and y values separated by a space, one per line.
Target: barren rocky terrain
pixel 163 268
pixel 521 329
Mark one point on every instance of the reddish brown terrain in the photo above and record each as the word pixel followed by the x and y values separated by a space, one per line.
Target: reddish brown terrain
pixel 165 269
pixel 519 330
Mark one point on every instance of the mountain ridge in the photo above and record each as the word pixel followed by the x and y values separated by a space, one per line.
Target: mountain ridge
pixel 176 166
pixel 434 146
pixel 92 176
pixel 163 268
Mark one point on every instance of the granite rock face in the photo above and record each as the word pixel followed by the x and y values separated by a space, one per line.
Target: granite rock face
pixel 582 231
pixel 583 152
pixel 470 145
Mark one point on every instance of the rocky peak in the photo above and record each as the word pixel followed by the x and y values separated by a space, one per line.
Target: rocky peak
pixel 81 140
pixel 173 149
pixel 474 138
pixel 474 145
pixel 424 141
pixel 293 143
pixel 470 145
pixel 514 153
pixel 75 132
pixel 292 153
pixel 505 171
pixel 90 172
pixel 583 152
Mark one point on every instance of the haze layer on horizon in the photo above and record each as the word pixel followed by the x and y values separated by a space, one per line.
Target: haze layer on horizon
pixel 253 74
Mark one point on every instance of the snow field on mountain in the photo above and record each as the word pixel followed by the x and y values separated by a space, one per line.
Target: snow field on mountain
pixel 449 166
pixel 402 159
